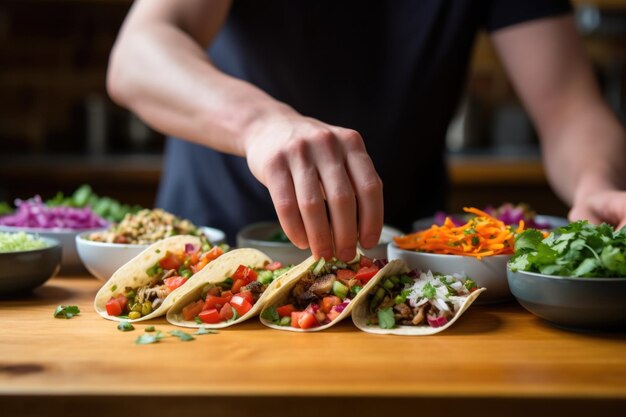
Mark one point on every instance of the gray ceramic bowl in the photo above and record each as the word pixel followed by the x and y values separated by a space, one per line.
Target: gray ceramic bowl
pixel 586 303
pixel 26 270
pixel 258 236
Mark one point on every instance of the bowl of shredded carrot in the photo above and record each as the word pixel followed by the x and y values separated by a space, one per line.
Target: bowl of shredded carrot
pixel 479 249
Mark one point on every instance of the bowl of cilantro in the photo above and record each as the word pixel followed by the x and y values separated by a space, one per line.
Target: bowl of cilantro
pixel 573 277
pixel 26 262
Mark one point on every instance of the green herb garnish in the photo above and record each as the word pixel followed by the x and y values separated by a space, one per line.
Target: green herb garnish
pixel 124 326
pixel 113 288
pixel 146 339
pixel 428 291
pixel 149 329
pixel 66 312
pixel 184 337
pixel 197 320
pixel 270 314
pixel 204 330
pixel 386 320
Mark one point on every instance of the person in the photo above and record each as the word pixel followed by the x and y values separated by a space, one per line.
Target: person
pixel 307 108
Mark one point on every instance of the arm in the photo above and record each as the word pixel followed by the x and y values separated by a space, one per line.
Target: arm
pixel 159 69
pixel 583 143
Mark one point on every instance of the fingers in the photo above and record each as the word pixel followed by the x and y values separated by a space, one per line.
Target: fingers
pixel 339 194
pixel 281 188
pixel 367 186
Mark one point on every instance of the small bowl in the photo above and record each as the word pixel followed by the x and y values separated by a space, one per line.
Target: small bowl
pixel 489 272
pixel 102 259
pixel 66 237
pixel 581 303
pixel 552 221
pixel 258 236
pixel 23 271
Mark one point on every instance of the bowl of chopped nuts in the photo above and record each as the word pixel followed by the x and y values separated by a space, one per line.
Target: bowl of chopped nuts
pixel 104 251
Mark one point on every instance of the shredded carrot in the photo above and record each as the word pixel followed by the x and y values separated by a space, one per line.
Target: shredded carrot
pixel 483 235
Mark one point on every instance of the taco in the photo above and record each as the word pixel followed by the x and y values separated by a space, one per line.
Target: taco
pixel 230 293
pixel 404 302
pixel 320 294
pixel 147 285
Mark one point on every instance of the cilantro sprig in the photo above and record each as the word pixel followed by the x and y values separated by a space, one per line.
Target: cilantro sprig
pixel 66 312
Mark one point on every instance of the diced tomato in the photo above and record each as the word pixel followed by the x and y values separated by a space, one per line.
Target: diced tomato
pixel 174 282
pixel 332 315
pixel 286 310
pixel 226 312
pixel 122 300
pixel 345 275
pixel 307 320
pixel 210 316
pixel 365 261
pixel 227 295
pixel 273 266
pixel 113 307
pixel 329 302
pixel 295 319
pixel 170 261
pixel 191 310
pixel 245 273
pixel 214 302
pixel 366 273
pixel 212 254
pixel 247 295
pixel 237 285
pixel 240 304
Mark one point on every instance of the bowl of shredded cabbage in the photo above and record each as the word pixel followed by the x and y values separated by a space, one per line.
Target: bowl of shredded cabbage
pixel 26 261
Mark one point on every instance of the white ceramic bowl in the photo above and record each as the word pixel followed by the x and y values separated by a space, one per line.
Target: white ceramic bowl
pixel 258 236
pixel 66 237
pixel 489 272
pixel 103 259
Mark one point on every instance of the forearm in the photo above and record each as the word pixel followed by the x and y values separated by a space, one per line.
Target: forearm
pixel 164 76
pixel 584 151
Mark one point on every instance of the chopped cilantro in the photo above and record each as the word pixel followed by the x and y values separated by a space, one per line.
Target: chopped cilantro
pixel 184 337
pixel 66 312
pixel 428 291
pixel 203 330
pixel 270 314
pixel 146 339
pixel 124 326
pixel 149 329
pixel 386 319
pixel 197 320
pixel 113 288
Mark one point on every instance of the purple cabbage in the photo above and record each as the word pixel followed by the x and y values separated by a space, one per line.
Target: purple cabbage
pixel 34 213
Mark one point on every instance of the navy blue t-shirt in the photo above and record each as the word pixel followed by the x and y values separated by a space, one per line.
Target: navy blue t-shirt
pixel 392 70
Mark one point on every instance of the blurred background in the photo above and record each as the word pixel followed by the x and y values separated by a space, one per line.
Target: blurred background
pixel 58 128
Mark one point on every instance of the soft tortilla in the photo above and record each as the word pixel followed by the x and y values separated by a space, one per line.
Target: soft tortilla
pixel 360 314
pixel 133 274
pixel 218 272
pixel 279 297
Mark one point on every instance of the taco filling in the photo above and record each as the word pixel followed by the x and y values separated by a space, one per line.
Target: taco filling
pixel 166 275
pixel 232 298
pixel 413 299
pixel 322 293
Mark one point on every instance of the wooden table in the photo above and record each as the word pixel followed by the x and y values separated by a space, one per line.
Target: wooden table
pixel 497 360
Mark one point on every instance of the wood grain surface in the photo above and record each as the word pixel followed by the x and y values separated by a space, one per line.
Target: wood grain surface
pixel 494 359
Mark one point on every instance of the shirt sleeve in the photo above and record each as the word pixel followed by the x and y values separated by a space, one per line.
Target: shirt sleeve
pixel 503 13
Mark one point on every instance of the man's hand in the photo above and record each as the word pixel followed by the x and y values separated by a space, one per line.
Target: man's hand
pixel 321 180
pixel 601 207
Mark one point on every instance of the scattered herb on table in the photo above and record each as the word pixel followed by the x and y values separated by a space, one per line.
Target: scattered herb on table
pixel 66 312
pixel 184 337
pixel 146 339
pixel 149 329
pixel 125 326
pixel 204 330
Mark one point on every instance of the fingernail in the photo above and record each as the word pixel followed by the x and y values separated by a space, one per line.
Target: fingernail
pixel 347 254
pixel 369 241
pixel 328 255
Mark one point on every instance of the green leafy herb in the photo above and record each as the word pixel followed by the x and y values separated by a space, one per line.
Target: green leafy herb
pixel 578 249
pixel 386 319
pixel 428 291
pixel 66 312
pixel 146 339
pixel 469 284
pixel 113 288
pixel 270 314
pixel 204 330
pixel 124 326
pixel 184 337
pixel 197 320
pixel 149 329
